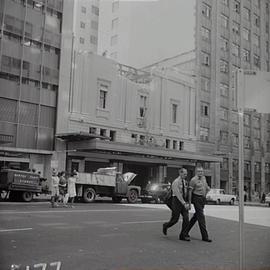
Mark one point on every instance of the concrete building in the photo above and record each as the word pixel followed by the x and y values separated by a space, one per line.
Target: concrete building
pixel 148 119
pixel 83 16
pixel 232 34
pixel 30 43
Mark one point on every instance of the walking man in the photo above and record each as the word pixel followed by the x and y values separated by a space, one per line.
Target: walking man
pixel 198 188
pixel 179 205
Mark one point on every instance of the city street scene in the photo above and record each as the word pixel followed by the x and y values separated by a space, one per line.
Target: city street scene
pixel 135 134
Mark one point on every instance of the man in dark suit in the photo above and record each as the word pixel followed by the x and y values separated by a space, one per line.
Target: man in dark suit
pixel 179 205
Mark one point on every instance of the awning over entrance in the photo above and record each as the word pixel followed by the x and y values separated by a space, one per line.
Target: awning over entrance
pixel 126 151
pixel 79 136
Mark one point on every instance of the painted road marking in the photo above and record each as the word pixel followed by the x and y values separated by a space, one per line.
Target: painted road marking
pixel 144 221
pixel 77 211
pixel 14 230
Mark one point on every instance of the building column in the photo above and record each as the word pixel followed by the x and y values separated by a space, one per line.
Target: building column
pixel 161 173
pixel 216 181
pixel 230 167
pixel 262 175
pixel 252 178
pixel 119 166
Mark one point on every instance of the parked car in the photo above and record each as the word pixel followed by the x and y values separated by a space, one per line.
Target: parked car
pixel 155 192
pixel 218 196
pixel 267 199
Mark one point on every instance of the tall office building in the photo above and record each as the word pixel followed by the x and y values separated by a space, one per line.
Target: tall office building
pixel 232 34
pixel 84 17
pixel 30 43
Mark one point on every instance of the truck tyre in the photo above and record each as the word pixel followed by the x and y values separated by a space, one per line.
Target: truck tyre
pixel 89 195
pixel 27 196
pixel 116 199
pixel 132 196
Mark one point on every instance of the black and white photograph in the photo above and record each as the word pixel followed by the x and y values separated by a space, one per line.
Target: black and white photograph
pixel 135 134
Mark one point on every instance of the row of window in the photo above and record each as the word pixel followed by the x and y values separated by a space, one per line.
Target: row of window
pixel 93 40
pixel 247 166
pixel 94 25
pixel 103 132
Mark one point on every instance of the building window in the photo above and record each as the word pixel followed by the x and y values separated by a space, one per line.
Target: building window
pixel 246 13
pixel 93 39
pixel 206 10
pixel 247 120
pixel 83 10
pixel 95 10
pixel 168 143
pixel 174 144
pixel 224 44
pixel 103 132
pixel 224 137
pixel 257 166
pixel 224 21
pixel 267 168
pixel 82 25
pixel 235 139
pixel 205 59
pixel 174 113
pixel 224 114
pixel 103 95
pixel 224 89
pixel 235 50
pixel 114 23
pixel 81 40
pixel 247 166
pixel 205 84
pixel 181 145
pixel 224 66
pixel 94 25
pixel 246 55
pixel 115 6
pixel 236 6
pixel 205 33
pixel 102 99
pixel 256 20
pixel 205 109
pixel 204 134
pixel 143 106
pixel 246 34
pixel 268 146
pixel 256 40
pixel 92 130
pixel 114 40
pixel 236 28
pixel 256 60
pixel 225 164
pixel 112 135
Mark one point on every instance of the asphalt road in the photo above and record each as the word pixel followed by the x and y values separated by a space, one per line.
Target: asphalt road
pixel 106 236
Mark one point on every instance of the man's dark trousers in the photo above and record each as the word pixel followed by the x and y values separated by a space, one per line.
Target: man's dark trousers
pixel 177 209
pixel 198 202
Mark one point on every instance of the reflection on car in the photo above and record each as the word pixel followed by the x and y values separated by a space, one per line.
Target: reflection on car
pixel 155 192
pixel 218 196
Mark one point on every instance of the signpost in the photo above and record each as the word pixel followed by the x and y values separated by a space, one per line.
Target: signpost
pixel 253 92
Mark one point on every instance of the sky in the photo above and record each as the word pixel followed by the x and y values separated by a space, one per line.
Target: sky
pixel 149 31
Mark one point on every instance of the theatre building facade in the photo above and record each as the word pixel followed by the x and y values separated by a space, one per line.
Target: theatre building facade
pixel 114 115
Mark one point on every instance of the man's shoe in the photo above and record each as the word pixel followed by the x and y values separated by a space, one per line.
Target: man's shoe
pixel 164 229
pixel 207 240
pixel 184 238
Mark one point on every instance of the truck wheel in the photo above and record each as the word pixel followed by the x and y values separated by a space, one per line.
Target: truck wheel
pixel 116 199
pixel 89 195
pixel 27 196
pixel 132 196
pixel 232 202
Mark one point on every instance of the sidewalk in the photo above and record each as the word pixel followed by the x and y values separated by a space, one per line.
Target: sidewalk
pixel 254 204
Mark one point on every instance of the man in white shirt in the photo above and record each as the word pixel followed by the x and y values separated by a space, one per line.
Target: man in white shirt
pixel 179 205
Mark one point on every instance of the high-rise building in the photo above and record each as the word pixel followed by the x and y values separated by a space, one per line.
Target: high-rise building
pixel 232 34
pixel 84 19
pixel 30 43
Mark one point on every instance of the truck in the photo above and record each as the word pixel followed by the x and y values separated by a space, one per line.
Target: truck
pixel 106 182
pixel 19 185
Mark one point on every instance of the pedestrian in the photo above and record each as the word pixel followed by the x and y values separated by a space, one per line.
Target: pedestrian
pixel 55 189
pixel 263 198
pixel 72 187
pixel 179 205
pixel 63 188
pixel 198 188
